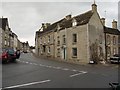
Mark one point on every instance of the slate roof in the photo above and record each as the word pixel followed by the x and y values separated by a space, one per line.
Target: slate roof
pixel 3 23
pixel 84 18
pixel 111 31
pixel 64 23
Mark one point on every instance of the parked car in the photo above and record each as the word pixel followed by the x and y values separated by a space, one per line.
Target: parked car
pixel 4 57
pixel 8 55
pixel 115 59
pixel 17 54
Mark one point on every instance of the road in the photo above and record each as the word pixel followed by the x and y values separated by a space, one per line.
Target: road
pixel 32 72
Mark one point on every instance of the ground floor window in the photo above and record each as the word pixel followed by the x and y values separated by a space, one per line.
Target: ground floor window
pixel 74 52
pixel 114 51
pixel 58 52
pixel 48 49
pixel 108 51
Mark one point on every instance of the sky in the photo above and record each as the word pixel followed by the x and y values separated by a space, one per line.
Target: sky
pixel 25 18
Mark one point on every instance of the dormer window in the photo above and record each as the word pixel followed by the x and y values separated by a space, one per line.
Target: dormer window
pixel 74 23
pixel 58 26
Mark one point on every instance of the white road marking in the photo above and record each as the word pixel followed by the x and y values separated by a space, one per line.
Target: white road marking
pixel 49 66
pixel 54 67
pixel 65 69
pixel 83 71
pixel 31 63
pixel 27 84
pixel 74 70
pixel 26 62
pixel 35 64
pixel 77 74
pixel 58 67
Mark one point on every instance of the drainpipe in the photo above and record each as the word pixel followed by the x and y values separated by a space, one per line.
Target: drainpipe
pixel 105 48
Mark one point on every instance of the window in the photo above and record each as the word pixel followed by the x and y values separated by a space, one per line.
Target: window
pixel 58 52
pixel 48 49
pixel 114 51
pixel 108 39
pixel 64 39
pixel 108 51
pixel 41 49
pixel 5 42
pixel 114 40
pixel 100 39
pixel 74 38
pixel 74 23
pixel 58 26
pixel 48 39
pixel 58 41
pixel 40 40
pixel 74 52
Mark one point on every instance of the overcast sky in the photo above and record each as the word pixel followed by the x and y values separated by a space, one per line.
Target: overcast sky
pixel 25 18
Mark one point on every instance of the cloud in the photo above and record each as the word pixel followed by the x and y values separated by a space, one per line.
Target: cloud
pixel 25 18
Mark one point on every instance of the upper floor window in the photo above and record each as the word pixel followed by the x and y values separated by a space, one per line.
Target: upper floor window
pixel 48 39
pixel 40 40
pixel 58 27
pixel 108 51
pixel 5 42
pixel 64 39
pixel 44 40
pixel 114 40
pixel 58 40
pixel 100 39
pixel 108 39
pixel 74 38
pixel 74 23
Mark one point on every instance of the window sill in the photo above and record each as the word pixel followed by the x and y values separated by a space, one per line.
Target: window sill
pixel 74 43
pixel 74 56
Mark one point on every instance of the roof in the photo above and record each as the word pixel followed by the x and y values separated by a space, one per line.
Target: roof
pixel 84 18
pixel 65 23
pixel 111 31
pixel 3 23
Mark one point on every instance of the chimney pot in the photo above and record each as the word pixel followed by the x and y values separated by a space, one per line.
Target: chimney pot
pixel 68 17
pixel 103 21
pixel 114 24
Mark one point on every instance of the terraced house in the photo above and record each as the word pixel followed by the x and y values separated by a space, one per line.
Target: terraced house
pixel 79 39
pixel 8 39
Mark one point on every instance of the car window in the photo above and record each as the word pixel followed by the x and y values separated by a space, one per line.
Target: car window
pixel 10 51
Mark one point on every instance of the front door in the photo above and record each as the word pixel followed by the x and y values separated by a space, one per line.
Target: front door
pixel 64 53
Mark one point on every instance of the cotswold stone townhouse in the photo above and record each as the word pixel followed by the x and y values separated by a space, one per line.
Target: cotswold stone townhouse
pixel 79 39
pixel 8 39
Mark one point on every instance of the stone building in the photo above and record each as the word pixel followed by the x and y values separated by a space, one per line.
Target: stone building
pixel 25 47
pixel 5 32
pixel 79 39
pixel 8 39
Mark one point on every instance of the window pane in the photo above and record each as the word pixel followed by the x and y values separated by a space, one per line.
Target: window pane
pixel 74 50
pixel 74 37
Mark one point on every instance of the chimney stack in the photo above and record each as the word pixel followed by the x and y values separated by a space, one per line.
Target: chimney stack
pixel 94 7
pixel 45 25
pixel 68 17
pixel 114 24
pixel 103 21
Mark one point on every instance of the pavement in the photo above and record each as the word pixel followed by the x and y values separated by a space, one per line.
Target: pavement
pixel 32 72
